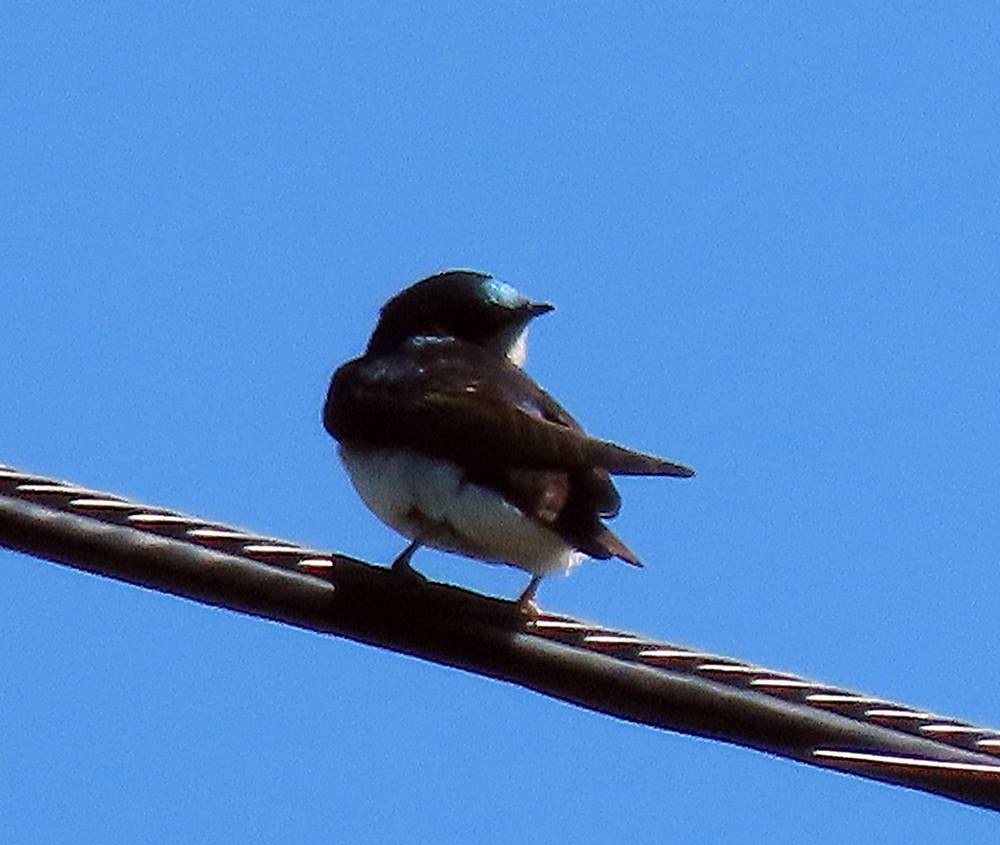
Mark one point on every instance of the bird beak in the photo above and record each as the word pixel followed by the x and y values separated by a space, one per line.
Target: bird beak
pixel 536 309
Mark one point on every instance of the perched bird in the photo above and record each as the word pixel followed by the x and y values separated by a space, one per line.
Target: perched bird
pixel 450 443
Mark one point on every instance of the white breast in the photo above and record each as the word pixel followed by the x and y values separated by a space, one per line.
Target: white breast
pixel 427 499
pixel 517 354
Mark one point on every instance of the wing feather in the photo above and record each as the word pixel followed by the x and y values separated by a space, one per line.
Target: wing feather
pixel 463 404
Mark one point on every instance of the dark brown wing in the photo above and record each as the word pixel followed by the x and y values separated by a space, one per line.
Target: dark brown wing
pixel 461 403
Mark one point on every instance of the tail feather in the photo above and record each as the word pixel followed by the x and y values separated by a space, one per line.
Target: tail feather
pixel 617 548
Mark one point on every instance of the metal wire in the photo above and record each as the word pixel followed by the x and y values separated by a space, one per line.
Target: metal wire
pixel 614 672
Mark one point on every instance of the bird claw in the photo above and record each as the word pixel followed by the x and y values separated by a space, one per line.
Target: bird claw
pixel 401 565
pixel 403 569
pixel 526 602
pixel 529 608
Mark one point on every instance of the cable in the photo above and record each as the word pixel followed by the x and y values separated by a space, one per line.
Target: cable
pixel 614 672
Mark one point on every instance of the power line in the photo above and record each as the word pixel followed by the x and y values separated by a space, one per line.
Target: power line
pixel 622 674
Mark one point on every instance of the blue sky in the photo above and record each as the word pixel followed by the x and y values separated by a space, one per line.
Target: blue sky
pixel 771 235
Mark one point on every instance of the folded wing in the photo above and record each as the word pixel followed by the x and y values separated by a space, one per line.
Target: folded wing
pixel 459 402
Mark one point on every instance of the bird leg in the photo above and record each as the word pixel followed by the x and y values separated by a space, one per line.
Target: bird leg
pixel 401 565
pixel 526 602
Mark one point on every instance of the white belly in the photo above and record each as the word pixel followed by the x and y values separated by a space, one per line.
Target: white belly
pixel 426 499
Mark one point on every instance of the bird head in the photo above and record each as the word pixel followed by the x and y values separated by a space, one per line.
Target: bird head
pixel 467 305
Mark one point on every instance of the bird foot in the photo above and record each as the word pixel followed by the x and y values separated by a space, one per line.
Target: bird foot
pixel 526 602
pixel 404 570
pixel 529 609
pixel 401 565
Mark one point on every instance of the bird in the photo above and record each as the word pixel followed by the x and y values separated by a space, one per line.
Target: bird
pixel 450 443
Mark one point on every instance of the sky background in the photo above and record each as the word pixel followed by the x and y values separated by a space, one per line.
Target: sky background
pixel 771 235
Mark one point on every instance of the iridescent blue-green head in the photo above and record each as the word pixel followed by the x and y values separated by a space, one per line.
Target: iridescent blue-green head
pixel 464 304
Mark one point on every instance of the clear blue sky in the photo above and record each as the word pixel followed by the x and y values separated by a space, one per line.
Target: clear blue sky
pixel 772 239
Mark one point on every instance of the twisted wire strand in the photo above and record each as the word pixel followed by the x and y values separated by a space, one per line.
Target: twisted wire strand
pixel 621 674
